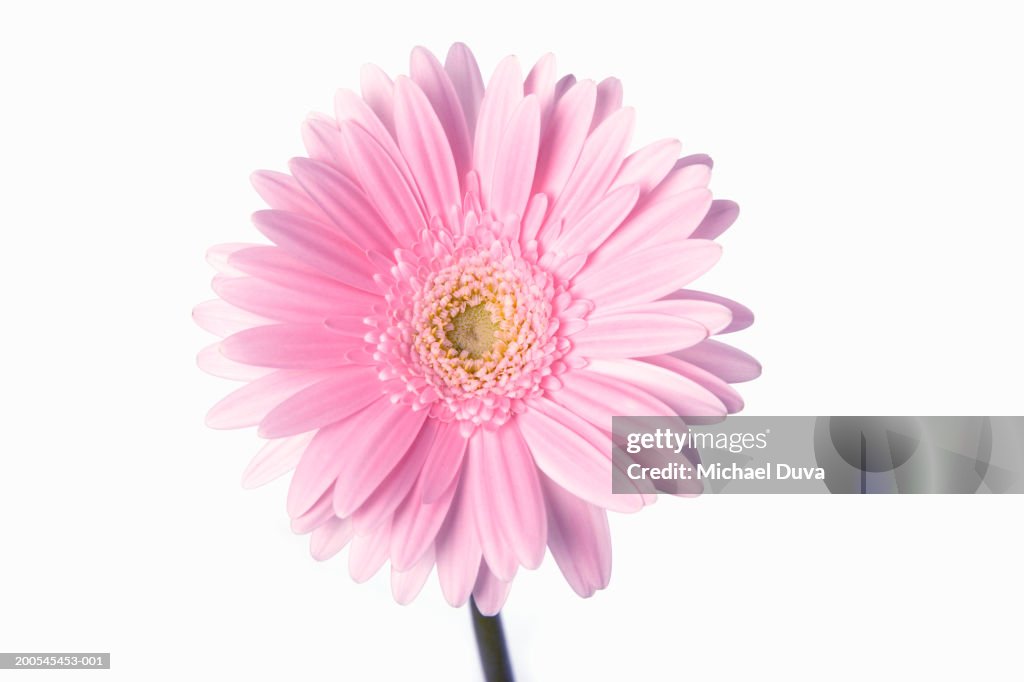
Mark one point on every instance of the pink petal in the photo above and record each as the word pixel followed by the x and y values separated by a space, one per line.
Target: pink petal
pixel 274 302
pixel 415 526
pixel 580 540
pixel 647 274
pixel 248 405
pixel 720 217
pixel 368 553
pixel 395 199
pixel 573 453
pixel 713 316
pixel 502 96
pixel 458 549
pixel 212 361
pixel 405 585
pixel 563 139
pixel 516 160
pixel 598 164
pixel 509 478
pixel 444 461
pixel 378 92
pixel 219 255
pixel 223 319
pixel 490 593
pixel 324 144
pixel 671 219
pixel 426 149
pixel 630 335
pixel 275 459
pixel 283 192
pixel 345 392
pixel 742 317
pixel 496 550
pixel 541 82
pixel 684 396
pixel 590 395
pixel 377 447
pixel 277 267
pixel 722 390
pixel 314 517
pixel 289 346
pixel 609 100
pixel 427 72
pixel 382 503
pixel 318 246
pixel 329 538
pixel 344 204
pixel 648 166
pixel 466 79
pixel 731 364
pixel 594 227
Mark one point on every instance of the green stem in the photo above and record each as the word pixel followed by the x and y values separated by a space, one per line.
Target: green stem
pixel 490 642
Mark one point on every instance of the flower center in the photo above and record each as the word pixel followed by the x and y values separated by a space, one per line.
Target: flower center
pixel 473 331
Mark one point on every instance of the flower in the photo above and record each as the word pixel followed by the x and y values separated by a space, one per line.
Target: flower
pixel 465 283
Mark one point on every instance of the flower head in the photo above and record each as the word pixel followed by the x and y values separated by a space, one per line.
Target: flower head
pixel 464 285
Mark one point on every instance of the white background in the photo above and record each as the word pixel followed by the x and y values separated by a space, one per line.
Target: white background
pixel 876 153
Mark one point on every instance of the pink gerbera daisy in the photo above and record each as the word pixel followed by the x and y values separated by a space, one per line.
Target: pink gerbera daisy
pixel 465 284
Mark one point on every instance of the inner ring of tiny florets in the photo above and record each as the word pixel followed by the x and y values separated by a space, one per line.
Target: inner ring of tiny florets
pixel 479 323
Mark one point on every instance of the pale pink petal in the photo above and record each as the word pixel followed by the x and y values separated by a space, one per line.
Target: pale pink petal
pixel 368 553
pixel 630 335
pixel 490 593
pixel 671 219
pixel 345 392
pixel 314 517
pixel 425 146
pixel 219 256
pixel 382 503
pixel 541 82
pixel 563 139
pixel 396 201
pixel 427 72
pixel 274 302
pixel 648 166
pixel 722 360
pixel 468 83
pixel 598 164
pixel 444 461
pixel 579 538
pixel 609 100
pixel 317 245
pixel 377 447
pixel 496 550
pixel 277 267
pixel 598 397
pixel 508 476
pixel 458 549
pixel 687 174
pixel 573 453
pixel 516 160
pixel 378 92
pixel 283 192
pixel 720 217
pixel 722 390
pixel 742 317
pixel 212 361
pixel 324 144
pixel 594 227
pixel 405 585
pixel 223 319
pixel 289 346
pixel 648 274
pixel 330 538
pixel 713 316
pixel 344 204
pixel 249 404
pixel 275 459
pixel 683 395
pixel 503 94
pixel 415 526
